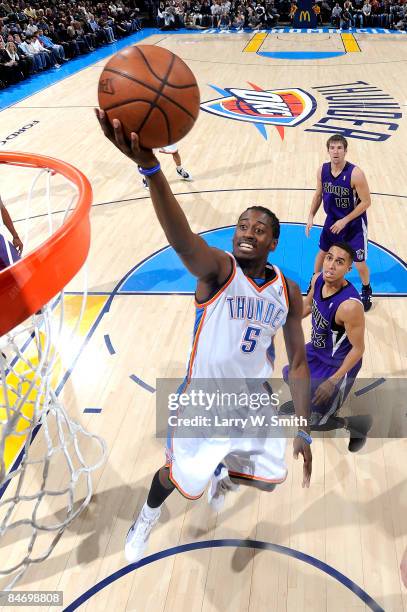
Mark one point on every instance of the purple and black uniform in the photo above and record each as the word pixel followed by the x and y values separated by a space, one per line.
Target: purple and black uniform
pixel 4 258
pixel 328 348
pixel 340 199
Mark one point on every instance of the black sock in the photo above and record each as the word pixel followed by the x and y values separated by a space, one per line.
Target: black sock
pixel 366 286
pixel 159 492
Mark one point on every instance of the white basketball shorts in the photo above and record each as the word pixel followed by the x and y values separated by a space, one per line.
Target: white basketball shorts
pixel 170 149
pixel 192 461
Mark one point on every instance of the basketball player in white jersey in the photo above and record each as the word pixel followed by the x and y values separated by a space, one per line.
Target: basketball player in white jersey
pixel 181 171
pixel 241 302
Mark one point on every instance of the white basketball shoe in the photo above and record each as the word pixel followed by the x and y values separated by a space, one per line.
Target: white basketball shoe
pixel 139 532
pixel 220 485
pixel 184 174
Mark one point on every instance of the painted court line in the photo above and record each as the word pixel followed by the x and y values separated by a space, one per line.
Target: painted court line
pixel 350 43
pixel 254 544
pixel 143 384
pixel 255 43
pixel 373 385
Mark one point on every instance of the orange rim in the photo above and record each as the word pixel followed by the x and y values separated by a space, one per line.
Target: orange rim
pixel 34 280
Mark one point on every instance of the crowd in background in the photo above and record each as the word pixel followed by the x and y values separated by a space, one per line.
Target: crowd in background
pixel 265 14
pixel 37 35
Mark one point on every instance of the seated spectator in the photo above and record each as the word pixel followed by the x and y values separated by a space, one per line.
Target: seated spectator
pixel 402 23
pixel 33 63
pixel 238 21
pixel 336 15
pixel 272 16
pixel 346 20
pixel 22 63
pixel 367 11
pixel 108 29
pixel 56 50
pixel 101 35
pixel 348 8
pixel 216 11
pixel 358 13
pixel 31 27
pixel 10 72
pixel 52 57
pixel 64 38
pixel 205 11
pixel 40 56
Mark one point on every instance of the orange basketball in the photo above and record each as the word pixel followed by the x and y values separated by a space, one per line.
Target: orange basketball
pixel 152 92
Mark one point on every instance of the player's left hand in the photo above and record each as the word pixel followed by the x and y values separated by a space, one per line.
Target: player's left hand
pixel 338 226
pixel 18 244
pixel 300 446
pixel 323 392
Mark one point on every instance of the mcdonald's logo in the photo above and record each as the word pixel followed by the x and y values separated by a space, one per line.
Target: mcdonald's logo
pixel 305 16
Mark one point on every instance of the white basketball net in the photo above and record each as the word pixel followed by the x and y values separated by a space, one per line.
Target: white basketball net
pixel 50 484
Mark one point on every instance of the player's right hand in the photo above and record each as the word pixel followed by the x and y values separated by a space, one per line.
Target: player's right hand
pixel 18 245
pixel 143 157
pixel 310 223
pixel 300 446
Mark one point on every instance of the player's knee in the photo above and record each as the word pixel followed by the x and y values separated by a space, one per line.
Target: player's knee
pixel 164 477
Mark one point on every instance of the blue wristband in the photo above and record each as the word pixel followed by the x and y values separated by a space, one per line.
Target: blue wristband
pixel 303 434
pixel 149 171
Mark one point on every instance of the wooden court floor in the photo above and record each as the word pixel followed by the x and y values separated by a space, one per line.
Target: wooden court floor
pixel 354 516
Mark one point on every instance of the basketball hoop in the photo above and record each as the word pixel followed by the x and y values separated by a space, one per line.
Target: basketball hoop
pixel 36 504
pixel 31 282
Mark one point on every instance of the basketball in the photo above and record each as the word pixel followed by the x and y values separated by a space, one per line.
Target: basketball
pixel 152 92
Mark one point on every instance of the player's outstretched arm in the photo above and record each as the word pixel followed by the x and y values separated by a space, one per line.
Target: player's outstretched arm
pixel 204 262
pixel 316 203
pixel 10 226
pixel 299 378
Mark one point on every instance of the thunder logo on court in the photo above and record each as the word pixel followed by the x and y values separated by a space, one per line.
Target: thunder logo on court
pixel 278 107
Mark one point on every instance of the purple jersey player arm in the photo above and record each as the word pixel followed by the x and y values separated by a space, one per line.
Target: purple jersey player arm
pixel 316 203
pixel 350 314
pixel 10 226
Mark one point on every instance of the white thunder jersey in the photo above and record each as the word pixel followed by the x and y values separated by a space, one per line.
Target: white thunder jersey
pixel 234 331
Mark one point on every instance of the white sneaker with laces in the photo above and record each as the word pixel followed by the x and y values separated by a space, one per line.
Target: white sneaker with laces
pixel 184 174
pixel 220 484
pixel 139 532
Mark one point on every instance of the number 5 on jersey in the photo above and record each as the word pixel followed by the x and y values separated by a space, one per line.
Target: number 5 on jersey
pixel 250 338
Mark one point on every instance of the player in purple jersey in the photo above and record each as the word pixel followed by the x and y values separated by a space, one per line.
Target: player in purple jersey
pixel 335 352
pixel 343 189
pixel 14 250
